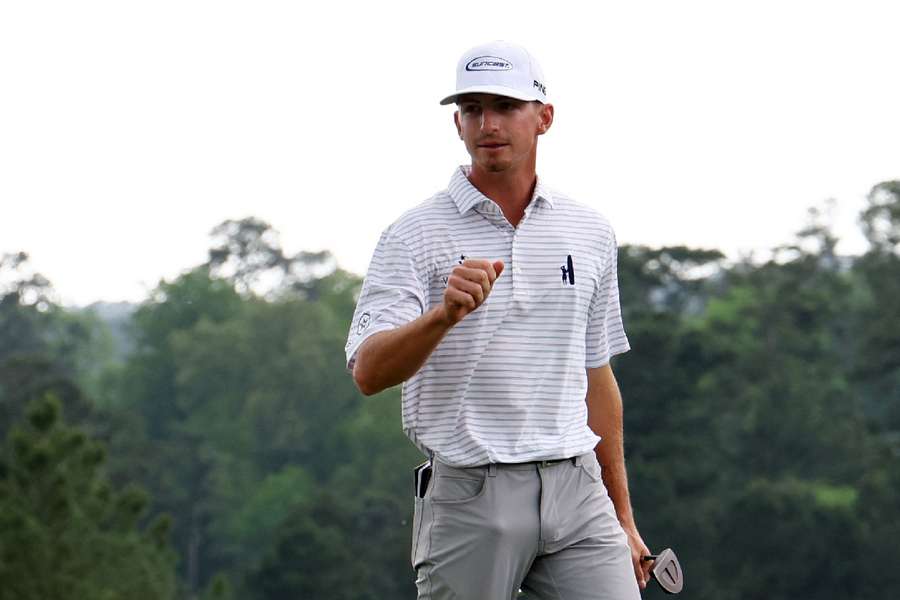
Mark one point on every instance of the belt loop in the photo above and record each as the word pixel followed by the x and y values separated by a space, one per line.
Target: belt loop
pixel 577 460
pixel 492 470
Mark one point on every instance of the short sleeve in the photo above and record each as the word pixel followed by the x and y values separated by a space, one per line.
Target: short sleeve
pixel 392 293
pixel 605 335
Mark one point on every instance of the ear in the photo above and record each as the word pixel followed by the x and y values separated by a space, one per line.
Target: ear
pixel 545 118
pixel 456 122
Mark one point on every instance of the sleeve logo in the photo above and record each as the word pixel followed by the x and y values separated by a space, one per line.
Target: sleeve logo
pixel 364 321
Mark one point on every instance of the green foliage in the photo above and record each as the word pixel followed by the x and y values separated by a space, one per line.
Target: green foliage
pixel 43 349
pixel 243 400
pixel 248 254
pixel 66 532
pixel 835 496
pixel 881 218
pixel 219 588
pixel 19 284
pixel 253 516
pixel 360 532
pixel 748 433
pixel 783 542
pixel 762 407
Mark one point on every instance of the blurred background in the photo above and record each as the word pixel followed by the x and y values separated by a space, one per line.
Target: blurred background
pixel 189 197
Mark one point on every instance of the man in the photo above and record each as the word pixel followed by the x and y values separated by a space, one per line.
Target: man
pixel 496 304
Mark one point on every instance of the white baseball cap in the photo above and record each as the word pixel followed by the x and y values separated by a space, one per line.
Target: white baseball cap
pixel 499 68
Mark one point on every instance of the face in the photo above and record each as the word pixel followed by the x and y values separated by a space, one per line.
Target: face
pixel 501 133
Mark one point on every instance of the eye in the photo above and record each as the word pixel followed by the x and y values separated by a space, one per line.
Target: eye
pixel 469 109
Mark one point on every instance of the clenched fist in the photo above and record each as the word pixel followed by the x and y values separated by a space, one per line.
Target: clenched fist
pixel 468 286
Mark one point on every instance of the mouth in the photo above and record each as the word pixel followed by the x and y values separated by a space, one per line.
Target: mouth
pixel 492 145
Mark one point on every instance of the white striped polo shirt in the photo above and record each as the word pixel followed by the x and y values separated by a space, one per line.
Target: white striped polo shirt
pixel 508 382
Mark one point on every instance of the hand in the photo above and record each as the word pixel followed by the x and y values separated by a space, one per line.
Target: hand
pixel 639 549
pixel 468 287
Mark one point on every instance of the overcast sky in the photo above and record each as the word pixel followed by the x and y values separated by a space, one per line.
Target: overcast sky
pixel 128 130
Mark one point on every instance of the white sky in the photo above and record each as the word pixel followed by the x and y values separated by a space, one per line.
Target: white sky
pixel 128 130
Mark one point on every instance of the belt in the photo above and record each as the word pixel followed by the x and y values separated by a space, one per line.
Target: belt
pixel 575 460
pixel 547 463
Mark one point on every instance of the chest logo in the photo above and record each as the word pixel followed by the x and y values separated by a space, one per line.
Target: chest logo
pixel 568 271
pixel 446 278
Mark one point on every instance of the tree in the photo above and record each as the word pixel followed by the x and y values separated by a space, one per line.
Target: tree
pixel 791 539
pixel 42 347
pixel 337 546
pixel 168 460
pixel 67 533
pixel 18 280
pixel 877 330
pixel 881 218
pixel 248 253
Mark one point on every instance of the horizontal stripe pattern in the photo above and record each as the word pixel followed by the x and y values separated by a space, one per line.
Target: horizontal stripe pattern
pixel 507 383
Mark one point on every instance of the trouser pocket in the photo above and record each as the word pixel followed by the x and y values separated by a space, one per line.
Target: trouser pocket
pixel 418 508
pixel 454 485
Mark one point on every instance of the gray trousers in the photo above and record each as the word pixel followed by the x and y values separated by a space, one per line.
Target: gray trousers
pixel 482 533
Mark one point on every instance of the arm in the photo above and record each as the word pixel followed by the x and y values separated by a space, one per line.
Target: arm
pixel 391 357
pixel 604 404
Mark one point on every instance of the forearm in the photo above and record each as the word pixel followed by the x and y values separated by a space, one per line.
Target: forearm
pixel 605 419
pixel 615 479
pixel 391 357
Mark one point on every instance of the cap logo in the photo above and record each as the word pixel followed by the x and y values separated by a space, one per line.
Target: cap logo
pixel 488 63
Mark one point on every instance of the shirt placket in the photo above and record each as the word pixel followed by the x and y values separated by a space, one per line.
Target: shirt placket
pixel 520 292
pixel 517 236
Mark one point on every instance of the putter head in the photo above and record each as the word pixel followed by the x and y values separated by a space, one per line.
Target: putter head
pixel 667 572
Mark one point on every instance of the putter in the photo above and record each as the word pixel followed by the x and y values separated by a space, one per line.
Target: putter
pixel 666 571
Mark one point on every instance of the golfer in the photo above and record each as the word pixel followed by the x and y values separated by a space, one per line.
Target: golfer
pixel 507 387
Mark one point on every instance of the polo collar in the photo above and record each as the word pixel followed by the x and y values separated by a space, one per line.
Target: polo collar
pixel 466 196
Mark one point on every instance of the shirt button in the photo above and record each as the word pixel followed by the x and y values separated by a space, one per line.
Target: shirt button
pixel 517 270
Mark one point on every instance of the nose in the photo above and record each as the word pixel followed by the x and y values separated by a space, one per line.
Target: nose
pixel 490 121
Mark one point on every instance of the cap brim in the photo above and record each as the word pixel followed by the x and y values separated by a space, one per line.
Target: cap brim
pixel 497 90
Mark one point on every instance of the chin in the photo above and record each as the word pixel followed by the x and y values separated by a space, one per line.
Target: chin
pixel 495 166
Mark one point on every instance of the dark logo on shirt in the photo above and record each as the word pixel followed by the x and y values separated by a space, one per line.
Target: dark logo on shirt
pixel 364 320
pixel 568 271
pixel 488 63
pixel 446 278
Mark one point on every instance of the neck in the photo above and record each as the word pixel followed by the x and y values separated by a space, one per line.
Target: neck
pixel 511 189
